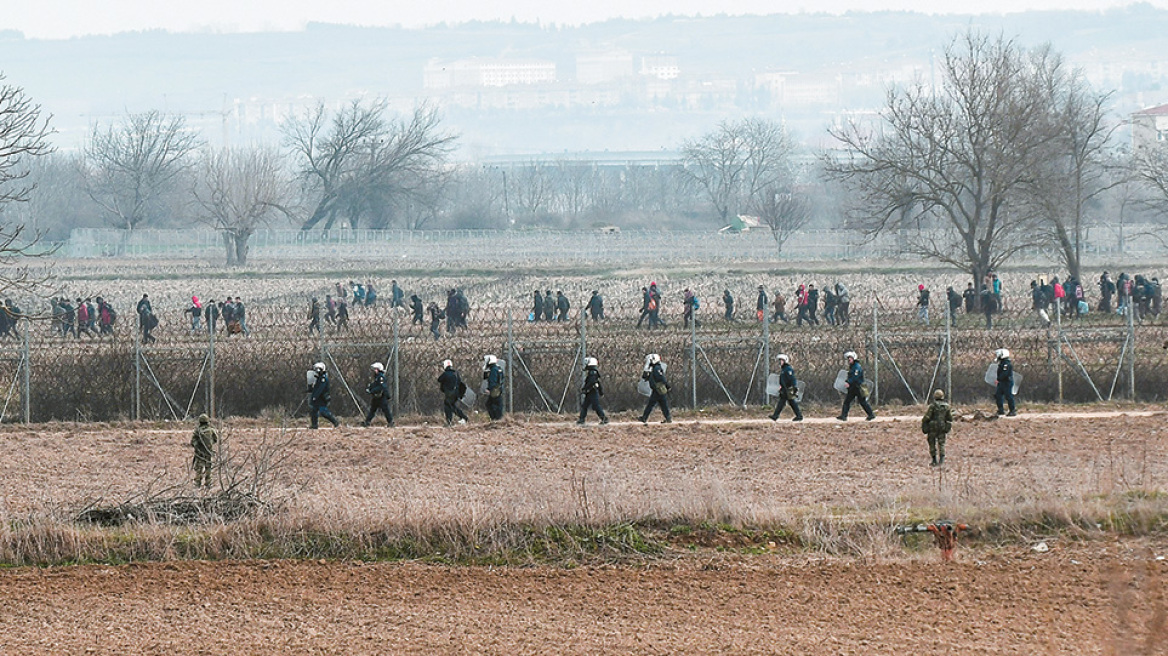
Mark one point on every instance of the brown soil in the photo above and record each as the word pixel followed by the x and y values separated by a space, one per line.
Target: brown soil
pixel 1098 596
pixel 1086 599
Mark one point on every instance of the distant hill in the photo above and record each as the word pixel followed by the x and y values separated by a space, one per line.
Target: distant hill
pixel 96 78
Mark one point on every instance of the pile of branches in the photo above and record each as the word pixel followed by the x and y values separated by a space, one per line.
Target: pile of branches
pixel 245 486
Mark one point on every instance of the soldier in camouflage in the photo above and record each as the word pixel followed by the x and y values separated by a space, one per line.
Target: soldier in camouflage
pixel 936 424
pixel 203 441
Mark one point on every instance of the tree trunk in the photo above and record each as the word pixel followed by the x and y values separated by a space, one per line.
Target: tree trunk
pixel 242 248
pixel 228 244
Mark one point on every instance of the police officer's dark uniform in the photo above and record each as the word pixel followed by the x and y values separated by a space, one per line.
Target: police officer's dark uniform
pixel 591 391
pixel 379 395
pixel 788 390
pixel 658 390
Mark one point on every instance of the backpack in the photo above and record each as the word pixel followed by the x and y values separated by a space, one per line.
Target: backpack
pixel 696 303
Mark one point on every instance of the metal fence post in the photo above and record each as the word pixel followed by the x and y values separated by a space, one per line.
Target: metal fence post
pixel 211 371
pixel 583 336
pixel 693 359
pixel 1131 362
pixel 137 374
pixel 948 352
pixel 510 369
pixel 766 355
pixel 26 374
pixel 396 363
pixel 1058 361
pixel 875 351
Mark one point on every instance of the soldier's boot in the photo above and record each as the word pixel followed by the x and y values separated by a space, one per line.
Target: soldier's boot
pixel 774 416
pixel 603 420
pixel 336 424
pixel 933 455
pixel 798 417
pixel 1012 413
pixel 365 424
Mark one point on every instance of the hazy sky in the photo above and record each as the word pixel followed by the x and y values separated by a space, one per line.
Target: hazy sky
pixel 56 19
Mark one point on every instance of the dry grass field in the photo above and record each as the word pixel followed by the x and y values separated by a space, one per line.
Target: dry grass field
pixel 726 535
pixel 721 533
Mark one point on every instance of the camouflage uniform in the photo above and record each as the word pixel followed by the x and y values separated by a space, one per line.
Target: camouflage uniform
pixel 936 424
pixel 203 441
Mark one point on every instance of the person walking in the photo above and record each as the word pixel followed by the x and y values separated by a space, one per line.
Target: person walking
pixel 595 306
pixel 760 304
pixel 452 388
pixel 536 306
pixel 659 387
pixel 493 374
pixel 562 305
pixel 320 397
pixel 203 442
pixel 856 390
pixel 314 316
pixel 1004 391
pixel 728 301
pixel 843 304
pixel 436 317
pixel 591 392
pixel 788 389
pixel 922 304
pixel 936 424
pixel 379 395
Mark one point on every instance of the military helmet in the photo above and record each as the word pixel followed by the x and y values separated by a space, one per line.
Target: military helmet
pixel 204 419
pixel 939 395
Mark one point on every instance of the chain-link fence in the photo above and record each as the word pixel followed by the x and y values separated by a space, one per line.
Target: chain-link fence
pixel 182 371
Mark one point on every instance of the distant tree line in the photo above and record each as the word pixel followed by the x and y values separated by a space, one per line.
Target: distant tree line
pixel 1011 150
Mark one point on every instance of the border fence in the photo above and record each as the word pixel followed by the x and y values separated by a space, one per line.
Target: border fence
pixel 46 376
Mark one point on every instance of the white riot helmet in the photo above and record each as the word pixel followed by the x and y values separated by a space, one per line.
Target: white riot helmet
pixel 591 362
pixel 377 366
pixel 782 357
pixel 318 367
pixel 1002 354
pixel 652 359
pixel 851 355
pixel 490 360
pixel 447 364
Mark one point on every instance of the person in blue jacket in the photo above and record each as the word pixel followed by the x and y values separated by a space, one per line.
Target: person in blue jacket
pixel 856 390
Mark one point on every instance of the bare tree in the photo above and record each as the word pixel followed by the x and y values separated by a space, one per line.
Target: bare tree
pixel 358 162
pixel 131 166
pixel 947 167
pixel 240 191
pixel 1148 168
pixel 1069 179
pixel 23 137
pixel 784 211
pixel 733 164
